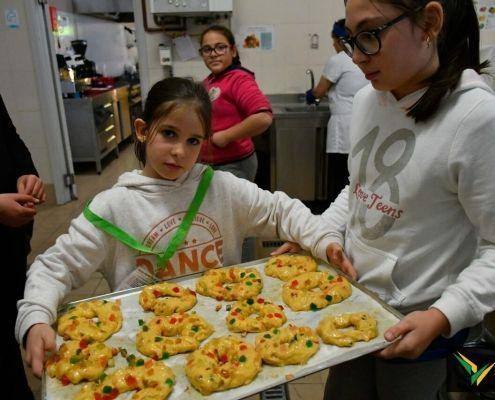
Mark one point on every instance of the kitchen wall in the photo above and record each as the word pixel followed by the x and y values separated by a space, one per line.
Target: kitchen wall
pixel 18 77
pixel 107 41
pixel 281 70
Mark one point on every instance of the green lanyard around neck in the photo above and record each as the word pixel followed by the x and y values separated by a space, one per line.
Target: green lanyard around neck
pixel 179 235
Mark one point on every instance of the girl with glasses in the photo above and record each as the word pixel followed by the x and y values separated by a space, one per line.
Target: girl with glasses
pixel 417 223
pixel 239 109
pixel 340 81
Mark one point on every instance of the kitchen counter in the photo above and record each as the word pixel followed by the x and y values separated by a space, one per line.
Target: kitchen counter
pixel 296 147
pixel 293 106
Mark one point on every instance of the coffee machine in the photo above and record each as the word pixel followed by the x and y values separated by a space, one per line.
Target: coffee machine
pixel 83 67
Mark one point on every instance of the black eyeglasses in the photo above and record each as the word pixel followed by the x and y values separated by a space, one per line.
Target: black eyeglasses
pixel 219 48
pixel 368 42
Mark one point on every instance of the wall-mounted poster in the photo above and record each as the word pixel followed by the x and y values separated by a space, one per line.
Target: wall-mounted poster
pixel 486 13
pixel 259 37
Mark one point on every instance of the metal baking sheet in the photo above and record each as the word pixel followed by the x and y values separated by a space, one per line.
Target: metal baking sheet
pixel 360 300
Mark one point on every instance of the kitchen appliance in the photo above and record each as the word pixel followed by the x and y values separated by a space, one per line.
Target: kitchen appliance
pixel 189 7
pixel 83 67
pixel 66 75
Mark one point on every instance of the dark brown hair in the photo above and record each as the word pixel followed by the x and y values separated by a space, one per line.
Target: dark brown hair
pixel 458 49
pixel 165 96
pixel 228 35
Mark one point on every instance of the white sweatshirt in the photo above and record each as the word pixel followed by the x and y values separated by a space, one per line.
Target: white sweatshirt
pixel 418 218
pixel 150 210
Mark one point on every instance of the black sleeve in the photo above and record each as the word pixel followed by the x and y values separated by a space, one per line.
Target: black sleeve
pixel 14 148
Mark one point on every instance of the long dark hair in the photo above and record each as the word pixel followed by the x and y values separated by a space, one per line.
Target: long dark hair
pixel 228 35
pixel 458 49
pixel 165 96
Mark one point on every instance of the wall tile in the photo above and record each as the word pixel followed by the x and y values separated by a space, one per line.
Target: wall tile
pixel 325 11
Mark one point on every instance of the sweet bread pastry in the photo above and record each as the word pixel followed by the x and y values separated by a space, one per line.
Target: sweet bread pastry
pixel 315 290
pixel 230 283
pixel 346 329
pixel 255 315
pixel 222 363
pixel 153 380
pixel 288 345
pixel 93 320
pixel 162 337
pixel 287 266
pixel 167 298
pixel 77 361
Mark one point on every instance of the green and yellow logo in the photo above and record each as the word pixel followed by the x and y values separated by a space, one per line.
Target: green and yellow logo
pixel 476 375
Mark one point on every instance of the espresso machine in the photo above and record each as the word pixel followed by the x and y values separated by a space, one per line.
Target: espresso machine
pixel 83 67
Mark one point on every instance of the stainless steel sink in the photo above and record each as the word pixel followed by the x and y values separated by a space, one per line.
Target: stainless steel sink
pixel 301 108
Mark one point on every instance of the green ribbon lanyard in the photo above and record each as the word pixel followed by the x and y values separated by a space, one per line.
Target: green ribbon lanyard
pixel 179 235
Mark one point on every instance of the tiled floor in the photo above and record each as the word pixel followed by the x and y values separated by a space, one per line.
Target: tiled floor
pixel 52 221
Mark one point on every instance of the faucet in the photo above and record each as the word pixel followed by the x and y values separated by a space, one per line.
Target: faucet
pixel 311 74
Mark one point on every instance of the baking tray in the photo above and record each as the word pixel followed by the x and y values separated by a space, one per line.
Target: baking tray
pixel 361 300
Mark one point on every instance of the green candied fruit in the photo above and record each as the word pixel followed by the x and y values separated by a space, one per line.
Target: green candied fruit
pixel 105 301
pixel 228 307
pixel 102 377
pixel 232 321
pixel 275 331
pixel 195 328
pixel 238 310
pixel 309 343
pixel 243 274
pixel 73 317
pixel 107 389
pixel 313 307
pixel 158 338
pixel 251 275
pixel 98 324
pixel 140 322
pixel 267 336
pixel 145 328
pixel 249 283
pixel 328 298
pixel 139 362
pixel 131 359
pixel 165 356
pixel 74 360
pixel 250 301
pixel 330 277
pixel 242 358
pixel 169 382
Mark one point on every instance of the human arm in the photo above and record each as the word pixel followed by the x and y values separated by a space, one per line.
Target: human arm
pixel 15 209
pixel 40 339
pixel 251 126
pixel 471 163
pixel 322 88
pixel 415 333
pixel 252 105
pixel 31 185
pixel 258 212
pixel 66 265
pixel 469 296
pixel 335 218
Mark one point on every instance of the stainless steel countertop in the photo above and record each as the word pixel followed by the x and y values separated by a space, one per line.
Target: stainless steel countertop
pixel 293 106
